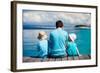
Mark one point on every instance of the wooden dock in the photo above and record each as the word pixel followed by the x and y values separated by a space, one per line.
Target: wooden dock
pixel 32 59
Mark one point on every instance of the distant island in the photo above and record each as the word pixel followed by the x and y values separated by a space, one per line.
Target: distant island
pixel 82 26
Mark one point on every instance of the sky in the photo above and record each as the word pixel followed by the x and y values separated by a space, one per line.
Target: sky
pixel 48 17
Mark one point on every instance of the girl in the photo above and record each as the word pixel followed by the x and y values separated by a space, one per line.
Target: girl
pixel 72 49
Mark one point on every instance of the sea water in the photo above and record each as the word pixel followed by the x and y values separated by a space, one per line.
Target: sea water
pixel 83 40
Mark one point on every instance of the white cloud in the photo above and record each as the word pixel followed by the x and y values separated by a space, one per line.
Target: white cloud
pixel 46 17
pixel 32 17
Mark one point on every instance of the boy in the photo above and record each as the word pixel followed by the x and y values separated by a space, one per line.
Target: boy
pixel 42 45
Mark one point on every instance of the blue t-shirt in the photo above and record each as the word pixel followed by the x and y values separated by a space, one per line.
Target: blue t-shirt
pixel 57 42
pixel 72 49
pixel 42 48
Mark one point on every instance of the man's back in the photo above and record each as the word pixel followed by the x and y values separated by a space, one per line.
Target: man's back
pixel 57 44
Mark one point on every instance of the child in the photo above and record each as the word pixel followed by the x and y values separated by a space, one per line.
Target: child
pixel 72 49
pixel 42 45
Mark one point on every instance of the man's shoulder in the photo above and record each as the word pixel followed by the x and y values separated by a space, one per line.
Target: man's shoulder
pixel 65 32
pixel 53 32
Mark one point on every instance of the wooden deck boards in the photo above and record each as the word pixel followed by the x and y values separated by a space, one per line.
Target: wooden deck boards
pixel 31 59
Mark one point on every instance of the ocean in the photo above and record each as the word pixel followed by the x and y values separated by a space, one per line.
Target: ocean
pixel 83 40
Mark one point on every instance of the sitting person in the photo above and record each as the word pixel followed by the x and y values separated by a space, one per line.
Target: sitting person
pixel 42 45
pixel 57 41
pixel 72 49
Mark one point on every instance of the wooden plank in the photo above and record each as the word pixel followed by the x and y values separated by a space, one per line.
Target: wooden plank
pixel 35 59
pixel 84 57
pixel 58 59
pixel 76 57
pixel 70 58
pixel 51 59
pixel 47 59
pixel 26 59
pixel 65 58
pixel 44 60
pixel 31 59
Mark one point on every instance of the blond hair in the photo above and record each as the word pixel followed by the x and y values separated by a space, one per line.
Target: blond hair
pixel 42 35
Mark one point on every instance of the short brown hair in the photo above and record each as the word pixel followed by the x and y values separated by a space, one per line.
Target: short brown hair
pixel 59 23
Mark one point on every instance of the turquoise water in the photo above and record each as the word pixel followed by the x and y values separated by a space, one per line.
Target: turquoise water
pixel 83 40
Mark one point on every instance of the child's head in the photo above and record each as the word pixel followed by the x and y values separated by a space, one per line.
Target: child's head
pixel 42 35
pixel 72 37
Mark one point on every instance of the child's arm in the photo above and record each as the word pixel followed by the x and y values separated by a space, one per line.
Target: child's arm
pixel 78 51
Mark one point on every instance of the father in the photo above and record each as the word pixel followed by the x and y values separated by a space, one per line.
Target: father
pixel 58 41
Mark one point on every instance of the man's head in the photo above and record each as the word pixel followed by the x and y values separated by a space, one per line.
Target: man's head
pixel 59 24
